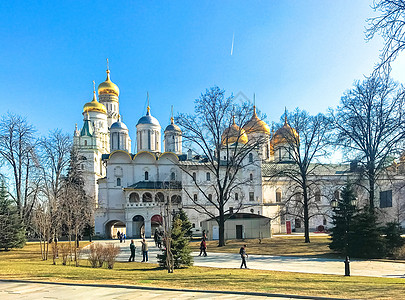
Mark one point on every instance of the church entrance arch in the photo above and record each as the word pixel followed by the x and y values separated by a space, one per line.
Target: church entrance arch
pixel 138 226
pixel 112 227
pixel 156 223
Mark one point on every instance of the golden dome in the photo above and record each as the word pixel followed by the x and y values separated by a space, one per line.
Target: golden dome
pixel 108 87
pixel 256 125
pixel 284 133
pixel 94 105
pixel 234 134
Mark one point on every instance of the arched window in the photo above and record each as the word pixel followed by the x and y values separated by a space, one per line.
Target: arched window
pixel 210 197
pixel 278 195
pixel 172 176
pixel 250 157
pixel 118 181
pixel 176 199
pixel 236 196
pixel 133 198
pixel 208 176
pixel 195 198
pixel 147 197
pixel 146 175
pixel 194 176
pixel 159 197
pixel 251 176
pixel 85 142
pixel 279 154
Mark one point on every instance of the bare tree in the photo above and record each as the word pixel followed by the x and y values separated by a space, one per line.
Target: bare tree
pixel 301 146
pixel 215 130
pixel 55 152
pixel 370 124
pixel 390 24
pixel 76 207
pixel 42 227
pixel 18 152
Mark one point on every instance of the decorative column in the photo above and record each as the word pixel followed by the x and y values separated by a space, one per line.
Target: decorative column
pixel 148 228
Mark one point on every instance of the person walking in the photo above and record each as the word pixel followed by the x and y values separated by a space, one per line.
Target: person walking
pixel 132 248
pixel 156 236
pixel 144 250
pixel 121 236
pixel 243 255
pixel 203 248
pixel 125 236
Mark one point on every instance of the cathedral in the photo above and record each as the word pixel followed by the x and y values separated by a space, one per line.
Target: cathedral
pixel 131 190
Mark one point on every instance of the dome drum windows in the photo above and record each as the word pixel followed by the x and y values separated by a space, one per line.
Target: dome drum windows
pixel 278 195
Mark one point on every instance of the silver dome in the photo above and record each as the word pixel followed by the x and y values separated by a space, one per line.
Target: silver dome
pixel 119 125
pixel 172 127
pixel 148 119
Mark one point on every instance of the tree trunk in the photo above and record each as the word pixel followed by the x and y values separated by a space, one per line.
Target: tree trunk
pixel 306 216
pixel 221 225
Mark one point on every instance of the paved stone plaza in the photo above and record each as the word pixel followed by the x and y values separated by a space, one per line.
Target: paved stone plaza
pixel 276 263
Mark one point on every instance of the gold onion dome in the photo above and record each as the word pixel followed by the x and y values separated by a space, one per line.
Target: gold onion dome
pixel 255 124
pixel 234 134
pixel 284 133
pixel 108 87
pixel 94 105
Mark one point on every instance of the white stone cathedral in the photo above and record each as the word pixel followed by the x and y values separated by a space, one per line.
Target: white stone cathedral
pixel 130 189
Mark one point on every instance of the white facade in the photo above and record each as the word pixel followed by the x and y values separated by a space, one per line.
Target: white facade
pixel 131 190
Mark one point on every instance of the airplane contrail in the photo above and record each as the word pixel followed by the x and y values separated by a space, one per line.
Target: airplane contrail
pixel 233 40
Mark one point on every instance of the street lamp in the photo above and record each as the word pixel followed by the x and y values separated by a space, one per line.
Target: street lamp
pixel 335 203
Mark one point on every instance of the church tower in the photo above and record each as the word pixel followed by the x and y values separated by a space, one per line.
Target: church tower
pixel 259 132
pixel 119 137
pixel 172 140
pixel 148 133
pixel 108 93
pixel 92 141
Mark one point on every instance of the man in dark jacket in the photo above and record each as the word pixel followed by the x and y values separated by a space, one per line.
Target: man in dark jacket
pixel 243 255
pixel 132 247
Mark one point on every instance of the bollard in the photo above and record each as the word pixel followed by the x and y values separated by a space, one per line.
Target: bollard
pixel 347 266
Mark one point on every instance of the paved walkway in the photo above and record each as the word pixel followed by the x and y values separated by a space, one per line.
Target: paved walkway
pixel 11 290
pixel 276 263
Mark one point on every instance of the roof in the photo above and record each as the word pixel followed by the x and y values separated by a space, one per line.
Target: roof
pixel 87 129
pixel 172 127
pixel 119 125
pixel 268 168
pixel 241 216
pixel 156 185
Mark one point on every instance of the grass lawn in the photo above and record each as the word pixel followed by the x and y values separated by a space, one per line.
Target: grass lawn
pixel 278 245
pixel 25 264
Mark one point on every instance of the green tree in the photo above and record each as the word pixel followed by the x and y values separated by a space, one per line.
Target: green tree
pixel 366 236
pixel 342 220
pixel 12 231
pixel 392 232
pixel 179 246
pixel 186 224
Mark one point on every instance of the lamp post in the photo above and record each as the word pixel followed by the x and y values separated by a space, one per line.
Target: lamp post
pixel 345 206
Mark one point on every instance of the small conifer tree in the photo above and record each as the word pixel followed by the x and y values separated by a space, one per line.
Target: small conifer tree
pixel 342 219
pixel 393 239
pixel 366 236
pixel 12 231
pixel 185 223
pixel 179 245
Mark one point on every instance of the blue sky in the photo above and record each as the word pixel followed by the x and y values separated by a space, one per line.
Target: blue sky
pixel 290 53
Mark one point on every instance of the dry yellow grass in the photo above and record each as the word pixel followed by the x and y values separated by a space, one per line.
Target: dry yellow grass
pixel 26 264
pixel 278 245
